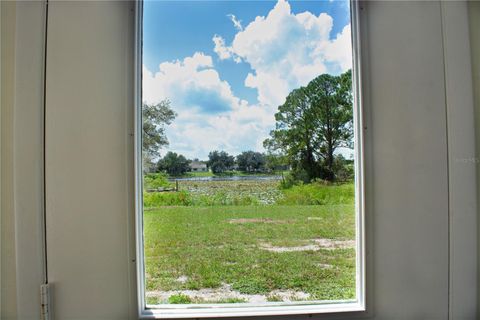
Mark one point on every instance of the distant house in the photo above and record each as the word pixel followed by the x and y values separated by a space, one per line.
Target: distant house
pixel 198 166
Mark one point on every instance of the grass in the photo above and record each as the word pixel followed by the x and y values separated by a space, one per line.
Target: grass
pixel 198 174
pixel 156 181
pixel 317 193
pixel 179 299
pixel 214 233
pixel 202 244
pixel 261 192
pixel 216 193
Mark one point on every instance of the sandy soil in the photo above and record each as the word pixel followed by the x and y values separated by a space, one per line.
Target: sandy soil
pixel 226 292
pixel 315 245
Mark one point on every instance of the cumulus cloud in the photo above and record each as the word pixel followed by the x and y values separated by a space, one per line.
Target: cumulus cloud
pixel 340 50
pixel 224 52
pixel 244 128
pixel 220 49
pixel 287 50
pixel 209 116
pixel 190 84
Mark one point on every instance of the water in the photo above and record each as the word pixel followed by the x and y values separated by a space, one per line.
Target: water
pixel 229 178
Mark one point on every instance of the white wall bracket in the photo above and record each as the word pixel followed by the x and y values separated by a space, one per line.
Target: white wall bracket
pixel 45 302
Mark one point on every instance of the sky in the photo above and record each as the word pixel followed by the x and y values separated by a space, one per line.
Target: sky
pixel 226 66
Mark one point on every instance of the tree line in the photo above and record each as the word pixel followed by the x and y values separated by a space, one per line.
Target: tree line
pixel 218 162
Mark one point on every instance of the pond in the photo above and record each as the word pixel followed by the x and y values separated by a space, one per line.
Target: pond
pixel 229 178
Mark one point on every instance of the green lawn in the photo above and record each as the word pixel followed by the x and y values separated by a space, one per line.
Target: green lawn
pixel 198 247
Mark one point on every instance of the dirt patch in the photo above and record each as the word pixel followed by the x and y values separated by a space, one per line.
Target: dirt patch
pixel 335 244
pixel 308 247
pixel 314 245
pixel 257 220
pixel 182 279
pixel 225 292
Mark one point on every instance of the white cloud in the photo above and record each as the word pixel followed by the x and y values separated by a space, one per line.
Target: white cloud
pixel 210 116
pixel 191 84
pixel 340 50
pixel 236 23
pixel 220 49
pixel 224 52
pixel 195 135
pixel 287 50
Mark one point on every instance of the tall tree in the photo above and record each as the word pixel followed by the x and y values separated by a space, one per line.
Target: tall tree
pixel 220 161
pixel 155 118
pixel 312 123
pixel 251 161
pixel 174 164
pixel 276 161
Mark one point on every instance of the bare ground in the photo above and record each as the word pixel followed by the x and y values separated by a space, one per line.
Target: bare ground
pixel 260 220
pixel 314 245
pixel 225 292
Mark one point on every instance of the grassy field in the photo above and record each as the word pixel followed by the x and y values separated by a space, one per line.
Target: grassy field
pixel 297 247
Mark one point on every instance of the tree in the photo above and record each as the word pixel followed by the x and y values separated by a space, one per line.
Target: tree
pixel 155 118
pixel 251 161
pixel 220 161
pixel 344 169
pixel 148 165
pixel 276 161
pixel 312 123
pixel 174 164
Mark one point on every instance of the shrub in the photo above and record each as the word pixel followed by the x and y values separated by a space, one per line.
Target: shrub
pixel 156 181
pixel 179 299
pixel 289 181
pixel 318 193
pixel 221 198
pixel 159 199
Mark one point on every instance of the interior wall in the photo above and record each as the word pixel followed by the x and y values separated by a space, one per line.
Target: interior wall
pixel 28 156
pixel 89 149
pixel 21 158
pixel 8 306
pixel 408 159
pixel 462 197
pixel 474 22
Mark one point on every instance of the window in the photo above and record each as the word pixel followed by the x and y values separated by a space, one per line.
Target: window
pixel 249 179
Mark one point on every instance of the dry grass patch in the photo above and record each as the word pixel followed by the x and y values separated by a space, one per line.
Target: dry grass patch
pixel 314 245
pixel 258 220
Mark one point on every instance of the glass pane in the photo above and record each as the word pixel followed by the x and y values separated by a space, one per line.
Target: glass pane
pixel 248 154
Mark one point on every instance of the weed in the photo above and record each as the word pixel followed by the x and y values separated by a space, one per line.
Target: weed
pixel 274 298
pixel 151 300
pixel 179 299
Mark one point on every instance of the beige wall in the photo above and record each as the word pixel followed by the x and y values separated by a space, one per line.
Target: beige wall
pixel 90 159
pixel 7 223
pixel 21 158
pixel 28 156
pixel 474 19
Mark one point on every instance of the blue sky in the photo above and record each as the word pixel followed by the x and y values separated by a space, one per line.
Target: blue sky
pixel 227 65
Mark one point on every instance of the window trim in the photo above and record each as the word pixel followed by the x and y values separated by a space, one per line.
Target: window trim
pixel 234 310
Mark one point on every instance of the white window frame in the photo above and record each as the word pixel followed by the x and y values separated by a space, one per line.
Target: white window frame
pixel 271 309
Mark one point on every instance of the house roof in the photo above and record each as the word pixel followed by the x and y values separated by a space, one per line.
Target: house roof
pixel 197 164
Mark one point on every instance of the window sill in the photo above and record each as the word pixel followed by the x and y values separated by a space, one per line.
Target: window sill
pixel 234 310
